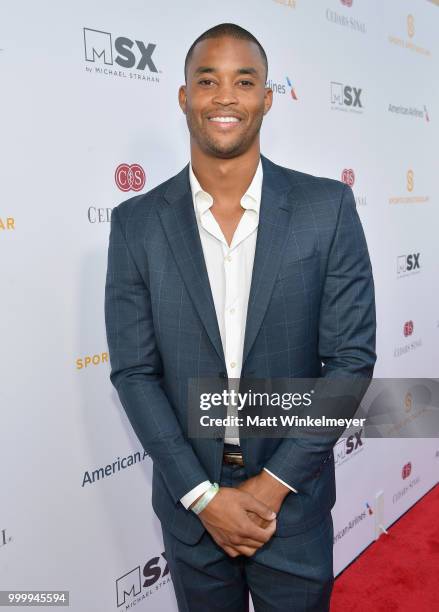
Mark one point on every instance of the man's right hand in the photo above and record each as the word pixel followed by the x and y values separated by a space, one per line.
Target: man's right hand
pixel 227 520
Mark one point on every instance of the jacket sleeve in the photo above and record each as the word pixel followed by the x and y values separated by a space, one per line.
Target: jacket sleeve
pixel 136 369
pixel 346 346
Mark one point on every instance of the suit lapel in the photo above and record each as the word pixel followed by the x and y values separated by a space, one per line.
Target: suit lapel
pixel 273 229
pixel 180 225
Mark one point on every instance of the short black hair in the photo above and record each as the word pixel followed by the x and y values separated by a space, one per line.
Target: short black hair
pixel 226 29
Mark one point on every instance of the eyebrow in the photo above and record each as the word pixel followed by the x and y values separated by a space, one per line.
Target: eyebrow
pixel 210 69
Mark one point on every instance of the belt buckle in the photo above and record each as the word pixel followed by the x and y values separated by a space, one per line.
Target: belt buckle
pixel 234 458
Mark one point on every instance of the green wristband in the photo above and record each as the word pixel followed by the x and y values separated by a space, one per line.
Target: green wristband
pixel 205 498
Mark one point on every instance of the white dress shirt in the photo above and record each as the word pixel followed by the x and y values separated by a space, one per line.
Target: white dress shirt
pixel 230 271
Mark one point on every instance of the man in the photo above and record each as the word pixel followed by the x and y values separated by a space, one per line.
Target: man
pixel 237 267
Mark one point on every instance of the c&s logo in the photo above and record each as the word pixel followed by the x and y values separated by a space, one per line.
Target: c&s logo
pixel 408 328
pixel 406 470
pixel 412 345
pixel 348 176
pixel 130 177
pixel 413 482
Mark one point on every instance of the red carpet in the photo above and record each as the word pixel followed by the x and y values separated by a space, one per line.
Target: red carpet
pixel 399 572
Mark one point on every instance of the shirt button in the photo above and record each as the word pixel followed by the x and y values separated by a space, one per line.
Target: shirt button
pixel 232 310
pixel 229 258
pixel 233 364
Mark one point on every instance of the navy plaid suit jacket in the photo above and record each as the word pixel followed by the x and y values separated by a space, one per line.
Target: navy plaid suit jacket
pixel 311 313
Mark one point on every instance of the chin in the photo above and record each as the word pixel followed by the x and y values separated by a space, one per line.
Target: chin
pixel 226 153
pixel 226 150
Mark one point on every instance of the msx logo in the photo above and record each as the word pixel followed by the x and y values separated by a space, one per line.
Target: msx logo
pixel 130 584
pixel 408 263
pixel 347 447
pixel 345 95
pixel 127 53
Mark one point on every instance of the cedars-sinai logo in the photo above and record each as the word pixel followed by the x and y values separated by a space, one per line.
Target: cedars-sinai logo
pixel 130 177
pixel 406 470
pixel 346 2
pixel 348 176
pixel 408 328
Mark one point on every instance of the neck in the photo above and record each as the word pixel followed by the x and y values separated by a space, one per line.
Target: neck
pixel 225 178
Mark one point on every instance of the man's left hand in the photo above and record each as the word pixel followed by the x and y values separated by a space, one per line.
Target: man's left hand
pixel 268 490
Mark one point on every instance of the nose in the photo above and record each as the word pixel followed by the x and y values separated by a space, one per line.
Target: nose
pixel 225 95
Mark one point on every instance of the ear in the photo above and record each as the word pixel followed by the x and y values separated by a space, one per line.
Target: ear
pixel 182 98
pixel 268 99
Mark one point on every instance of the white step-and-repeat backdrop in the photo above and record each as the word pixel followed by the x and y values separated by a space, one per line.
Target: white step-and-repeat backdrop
pixel 89 92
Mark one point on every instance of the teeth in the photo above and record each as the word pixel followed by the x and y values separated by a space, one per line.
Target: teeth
pixel 225 119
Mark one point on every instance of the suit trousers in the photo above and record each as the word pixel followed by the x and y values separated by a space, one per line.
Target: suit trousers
pixel 293 573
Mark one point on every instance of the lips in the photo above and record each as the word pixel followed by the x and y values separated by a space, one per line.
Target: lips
pixel 224 115
pixel 224 121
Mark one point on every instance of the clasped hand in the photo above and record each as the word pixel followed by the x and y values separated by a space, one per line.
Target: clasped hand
pixel 242 519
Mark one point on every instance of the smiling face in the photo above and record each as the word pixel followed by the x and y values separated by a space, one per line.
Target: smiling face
pixel 225 97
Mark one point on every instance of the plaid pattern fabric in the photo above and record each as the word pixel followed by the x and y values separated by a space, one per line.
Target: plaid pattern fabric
pixel 311 301
pixel 290 573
